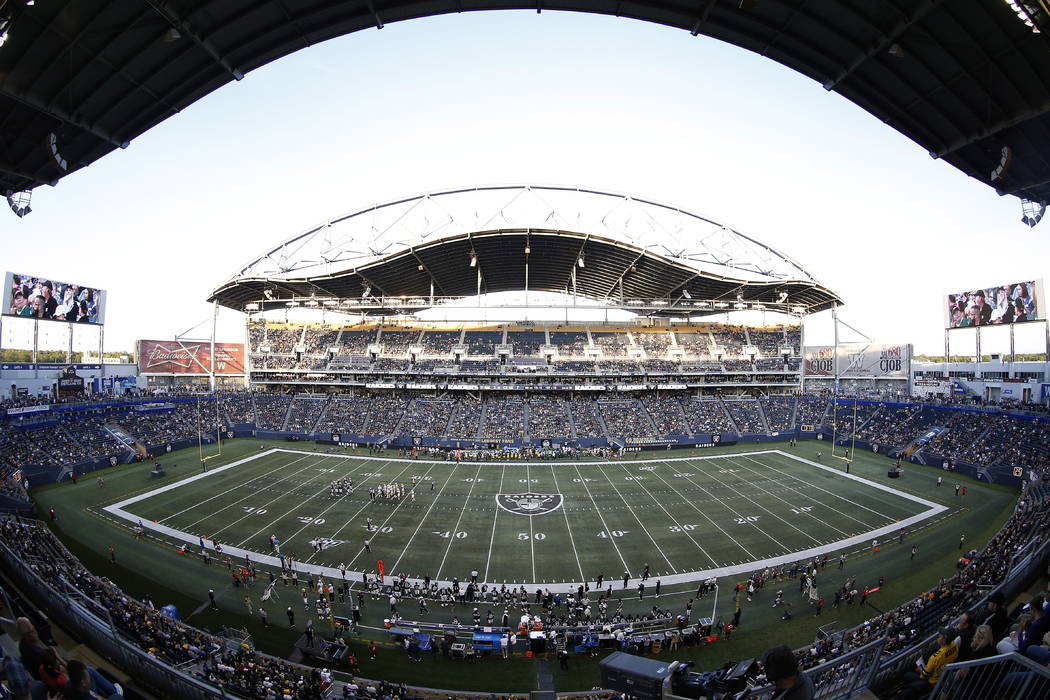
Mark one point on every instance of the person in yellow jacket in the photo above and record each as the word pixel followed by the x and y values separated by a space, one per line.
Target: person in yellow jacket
pixel 926 675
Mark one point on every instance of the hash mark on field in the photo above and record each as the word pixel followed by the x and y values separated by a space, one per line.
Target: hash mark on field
pixel 673 519
pixel 234 522
pixel 557 488
pixel 495 516
pixel 414 533
pixel 452 539
pixel 297 505
pixel 809 496
pixel 237 486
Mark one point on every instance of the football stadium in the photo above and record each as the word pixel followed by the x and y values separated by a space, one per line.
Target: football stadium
pixel 514 440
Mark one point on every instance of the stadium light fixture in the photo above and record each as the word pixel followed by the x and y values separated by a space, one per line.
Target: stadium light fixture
pixel 3 38
pixel 330 302
pixel 420 267
pixel 473 260
pixel 579 261
pixel 721 305
pixel 312 302
pixel 527 250
pixel 368 290
pixel 268 293
pixel 686 294
pixel 797 310
pixel 251 307
pixel 292 303
pixel 782 297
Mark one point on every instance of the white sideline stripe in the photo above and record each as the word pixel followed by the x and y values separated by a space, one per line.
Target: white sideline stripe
pixel 117 509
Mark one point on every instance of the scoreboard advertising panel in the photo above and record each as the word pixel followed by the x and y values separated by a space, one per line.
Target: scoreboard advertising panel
pixel 189 357
pixel 47 299
pixel 859 360
pixel 1017 302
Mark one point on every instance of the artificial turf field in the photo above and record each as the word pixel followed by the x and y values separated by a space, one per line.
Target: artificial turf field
pixel 643 511
pixel 683 518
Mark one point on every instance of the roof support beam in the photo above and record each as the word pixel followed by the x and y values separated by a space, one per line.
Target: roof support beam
pixel 993 129
pixel 702 18
pixel 184 28
pixel 372 9
pixel 60 115
pixel 887 41
pixel 1016 189
pixel 433 280
pixel 619 280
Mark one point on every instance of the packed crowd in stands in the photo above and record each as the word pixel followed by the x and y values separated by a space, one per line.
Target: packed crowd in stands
pixel 655 343
pixel 585 418
pixel 732 339
pixel 482 343
pixel 666 412
pixel 397 342
pixel 779 414
pixel 304 414
pixel 981 438
pixel 345 415
pixel 270 411
pixel 746 416
pixel 439 342
pixel 569 343
pixel 627 417
pixel 385 413
pixel 549 418
pixel 466 419
pixel 355 342
pixel 526 342
pixel 504 419
pixel 706 417
pixel 612 344
pixel 426 417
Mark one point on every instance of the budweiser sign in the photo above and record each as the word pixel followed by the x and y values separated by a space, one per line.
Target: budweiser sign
pixel 183 357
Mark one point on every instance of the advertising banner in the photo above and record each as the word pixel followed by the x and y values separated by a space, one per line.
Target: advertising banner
pixel 47 299
pixel 859 360
pixel 1003 304
pixel 189 357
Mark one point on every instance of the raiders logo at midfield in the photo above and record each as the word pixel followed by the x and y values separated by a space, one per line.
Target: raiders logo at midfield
pixel 529 503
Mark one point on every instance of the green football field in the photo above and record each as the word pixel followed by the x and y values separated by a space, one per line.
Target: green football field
pixel 542 523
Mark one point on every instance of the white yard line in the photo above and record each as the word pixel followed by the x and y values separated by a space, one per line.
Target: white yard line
pixel 532 538
pixel 743 519
pixel 564 512
pixel 451 473
pixel 117 510
pixel 709 519
pixel 673 519
pixel 270 525
pixel 379 529
pixel 808 497
pixel 767 510
pixel 337 502
pixel 842 474
pixel 195 506
pixel 452 535
pixel 492 537
pixel 250 495
pixel 639 520
pixel 608 532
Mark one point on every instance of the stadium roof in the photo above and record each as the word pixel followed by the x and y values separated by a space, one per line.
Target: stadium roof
pixel 968 80
pixel 616 249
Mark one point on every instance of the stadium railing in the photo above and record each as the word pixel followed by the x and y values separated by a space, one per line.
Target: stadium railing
pixel 1007 676
pixel 841 678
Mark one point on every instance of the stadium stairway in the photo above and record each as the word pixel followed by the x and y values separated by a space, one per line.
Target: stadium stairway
pixel 482 418
pixel 320 417
pixel 605 428
pixel 288 411
pixel 124 437
pixel 525 415
pixel 572 421
pixel 762 416
pixel 729 416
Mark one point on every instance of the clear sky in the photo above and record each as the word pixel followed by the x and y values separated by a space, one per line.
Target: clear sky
pixel 506 97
